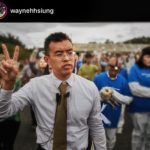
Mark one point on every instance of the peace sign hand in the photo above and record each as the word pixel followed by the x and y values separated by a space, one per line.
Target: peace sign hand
pixel 9 68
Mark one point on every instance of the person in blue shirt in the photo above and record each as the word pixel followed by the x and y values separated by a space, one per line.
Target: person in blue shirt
pixel 111 79
pixel 139 83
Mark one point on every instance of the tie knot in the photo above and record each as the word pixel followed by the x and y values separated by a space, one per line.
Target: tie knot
pixel 63 88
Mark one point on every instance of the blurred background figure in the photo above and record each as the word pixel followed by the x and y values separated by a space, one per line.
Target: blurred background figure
pixel 88 70
pixel 130 61
pixel 36 67
pixel 103 61
pixel 79 61
pixel 43 67
pixel 30 70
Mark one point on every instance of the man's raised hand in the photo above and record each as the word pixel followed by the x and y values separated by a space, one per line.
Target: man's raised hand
pixel 9 68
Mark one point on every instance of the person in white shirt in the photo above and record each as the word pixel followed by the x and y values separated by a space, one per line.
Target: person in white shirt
pixel 83 100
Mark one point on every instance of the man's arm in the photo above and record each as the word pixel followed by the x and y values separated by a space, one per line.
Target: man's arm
pixel 9 68
pixel 11 103
pixel 98 66
pixel 134 83
pixel 95 123
pixel 120 98
pixel 139 90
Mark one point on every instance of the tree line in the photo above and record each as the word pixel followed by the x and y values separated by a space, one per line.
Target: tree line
pixel 138 40
pixel 11 40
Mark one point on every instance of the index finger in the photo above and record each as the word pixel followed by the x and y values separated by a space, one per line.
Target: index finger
pixel 16 53
pixel 5 51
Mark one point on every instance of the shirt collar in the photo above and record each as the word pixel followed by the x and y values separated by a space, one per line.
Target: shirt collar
pixel 110 77
pixel 57 81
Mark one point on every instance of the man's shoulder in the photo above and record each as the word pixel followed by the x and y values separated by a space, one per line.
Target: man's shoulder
pixel 100 75
pixel 82 66
pixel 135 67
pixel 85 86
pixel 80 78
pixel 93 65
pixel 41 79
pixel 82 81
pixel 135 70
pixel 121 78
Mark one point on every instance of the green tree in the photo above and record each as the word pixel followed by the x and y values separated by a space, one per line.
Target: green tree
pixel 139 40
pixel 10 40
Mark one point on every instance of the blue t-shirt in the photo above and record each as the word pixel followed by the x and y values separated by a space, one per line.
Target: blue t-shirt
pixel 142 76
pixel 79 64
pixel 120 85
pixel 123 72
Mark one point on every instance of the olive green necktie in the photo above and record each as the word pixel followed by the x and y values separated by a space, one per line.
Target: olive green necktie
pixel 60 125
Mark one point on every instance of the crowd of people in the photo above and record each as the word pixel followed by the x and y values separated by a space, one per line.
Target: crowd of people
pixel 100 89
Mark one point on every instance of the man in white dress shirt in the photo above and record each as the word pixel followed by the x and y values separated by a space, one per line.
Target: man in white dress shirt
pixel 83 100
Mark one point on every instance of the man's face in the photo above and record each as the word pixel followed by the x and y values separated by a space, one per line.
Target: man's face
pixel 89 60
pixel 61 58
pixel 146 60
pixel 112 69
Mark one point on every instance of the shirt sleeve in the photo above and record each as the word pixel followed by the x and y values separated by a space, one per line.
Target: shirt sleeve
pixel 11 103
pixel 136 88
pixel 95 123
pixel 124 96
pixel 139 90
pixel 123 99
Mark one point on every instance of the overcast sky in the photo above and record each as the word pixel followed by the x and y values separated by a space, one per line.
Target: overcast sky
pixel 34 34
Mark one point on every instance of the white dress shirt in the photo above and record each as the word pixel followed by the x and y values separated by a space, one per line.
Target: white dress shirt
pixel 83 106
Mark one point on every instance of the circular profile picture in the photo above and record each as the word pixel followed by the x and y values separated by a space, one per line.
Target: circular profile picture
pixel 3 10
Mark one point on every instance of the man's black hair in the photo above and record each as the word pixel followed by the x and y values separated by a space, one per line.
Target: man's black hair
pixel 55 37
pixel 88 55
pixel 145 51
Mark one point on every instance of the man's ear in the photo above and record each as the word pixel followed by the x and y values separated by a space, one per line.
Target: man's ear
pixel 46 59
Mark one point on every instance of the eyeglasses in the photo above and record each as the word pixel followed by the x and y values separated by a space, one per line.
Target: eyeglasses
pixel 62 54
